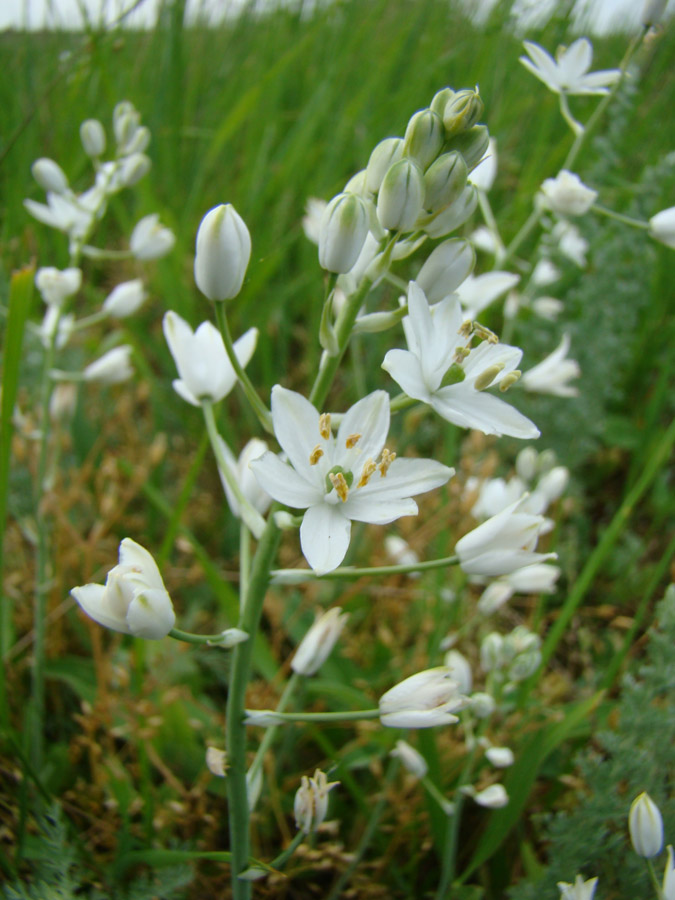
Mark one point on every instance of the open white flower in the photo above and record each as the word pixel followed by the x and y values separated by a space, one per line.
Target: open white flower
pixel 477 293
pixel 502 544
pixel 552 374
pixel 441 368
pixel 56 285
pixel 580 890
pixel 567 195
pixel 201 359
pixel 352 476
pixel 241 469
pixel 111 368
pixel 568 72
pixel 133 599
pixel 150 239
pixel 423 700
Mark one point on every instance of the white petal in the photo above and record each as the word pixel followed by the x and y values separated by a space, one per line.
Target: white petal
pixel 184 392
pixel 418 718
pixel 132 554
pixel 378 510
pixel 575 61
pixel 283 483
pixel 151 615
pixel 324 537
pixel 477 409
pixel 92 599
pixel 369 418
pixel 296 426
pixel 406 370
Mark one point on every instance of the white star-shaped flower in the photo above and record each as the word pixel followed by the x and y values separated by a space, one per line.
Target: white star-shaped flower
pixel 441 368
pixel 339 479
pixel 568 72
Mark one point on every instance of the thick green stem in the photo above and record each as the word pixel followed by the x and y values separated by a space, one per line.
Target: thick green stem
pixel 261 411
pixel 235 730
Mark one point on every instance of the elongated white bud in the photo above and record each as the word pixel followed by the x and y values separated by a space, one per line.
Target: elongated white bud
pixel 222 253
pixel 446 268
pixel 342 233
pixel 441 99
pixel 125 299
pixel 411 759
pixel 399 202
pixel 645 826
pixel 462 112
pixel 472 144
pixel 92 135
pixel 423 137
pixel 444 181
pixel 384 155
pixel 49 175
pixel 317 644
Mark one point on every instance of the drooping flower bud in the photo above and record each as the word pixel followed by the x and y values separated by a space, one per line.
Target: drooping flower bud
pixel 125 299
pixel 150 239
pixel 317 644
pixel 472 144
pixel 401 195
pixel 343 232
pixel 424 700
pixel 492 797
pixel 462 112
pixel 423 137
pixel 49 175
pixel 444 181
pixel 446 268
pixel 384 155
pixel 92 135
pixel 223 250
pixel 111 368
pixel 411 759
pixel 451 217
pixel 133 168
pixel 645 826
pixel 500 757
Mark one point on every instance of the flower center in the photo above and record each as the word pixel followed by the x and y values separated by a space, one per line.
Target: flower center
pixel 341 480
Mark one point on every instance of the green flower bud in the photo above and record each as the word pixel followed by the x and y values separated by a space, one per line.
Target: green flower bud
pixel 399 201
pixel 461 112
pixel 472 144
pixel 384 155
pixel 423 137
pixel 444 181
pixel 92 134
pixel 357 184
pixel 441 223
pixel 440 100
pixel 342 233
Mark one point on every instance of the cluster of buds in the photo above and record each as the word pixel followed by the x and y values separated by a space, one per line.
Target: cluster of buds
pixel 76 214
pixel 414 183
pixel 513 657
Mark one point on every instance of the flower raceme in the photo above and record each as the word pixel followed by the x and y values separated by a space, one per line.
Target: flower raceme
pixel 205 370
pixel 423 700
pixel 441 368
pixel 133 599
pixel 568 72
pixel 339 479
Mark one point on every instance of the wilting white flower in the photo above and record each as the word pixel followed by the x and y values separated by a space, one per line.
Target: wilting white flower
pixel 445 269
pixel 342 232
pixel 645 826
pixel 460 670
pixel 669 876
pixel 125 299
pixel 662 227
pixel 552 374
pixel 311 222
pixel 111 368
pixel 500 757
pixel 567 195
pixel 570 242
pixel 442 369
pixel 580 890
pixel 223 250
pixel 57 285
pixel 49 175
pixel 216 761
pixel 502 544
pixel 201 359
pixel 92 135
pixel 483 176
pixel 411 759
pixel 568 72
pixel 492 797
pixel 133 599
pixel 311 801
pixel 317 644
pixel 150 239
pixel 248 483
pixel 424 700
pixel 477 293
pixel 350 477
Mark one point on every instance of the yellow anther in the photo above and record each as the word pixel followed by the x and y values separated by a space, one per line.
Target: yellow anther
pixel 484 333
pixel 486 377
pixel 461 354
pixel 340 484
pixel 315 455
pixel 386 459
pixel 352 441
pixel 324 425
pixel 509 380
pixel 466 328
pixel 368 470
